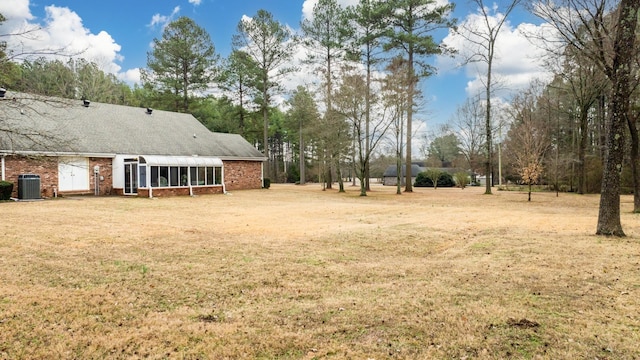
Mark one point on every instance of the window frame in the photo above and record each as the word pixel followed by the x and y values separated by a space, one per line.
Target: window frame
pixel 174 176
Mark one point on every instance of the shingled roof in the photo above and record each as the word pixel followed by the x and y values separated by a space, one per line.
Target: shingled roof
pixel 35 124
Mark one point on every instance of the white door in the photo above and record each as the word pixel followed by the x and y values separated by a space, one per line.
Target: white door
pixel 130 178
pixel 73 174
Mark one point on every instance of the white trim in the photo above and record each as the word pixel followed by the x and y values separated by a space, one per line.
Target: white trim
pixel 229 158
pixel 181 161
pixel 160 160
pixel 51 153
pixel 2 166
pixel 224 187
pixel 110 155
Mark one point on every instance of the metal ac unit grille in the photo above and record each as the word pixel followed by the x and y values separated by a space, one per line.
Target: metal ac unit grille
pixel 28 186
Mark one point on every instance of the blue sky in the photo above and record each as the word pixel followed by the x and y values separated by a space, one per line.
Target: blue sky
pixel 117 35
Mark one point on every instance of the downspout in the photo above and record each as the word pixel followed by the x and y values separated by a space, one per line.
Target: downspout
pixel 2 166
pixel 189 181
pixel 224 187
pixel 148 176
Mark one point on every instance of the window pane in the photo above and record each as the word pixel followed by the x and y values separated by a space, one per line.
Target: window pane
pixel 183 176
pixel 218 175
pixel 154 176
pixel 163 181
pixel 143 176
pixel 201 175
pixel 210 178
pixel 173 176
pixel 194 175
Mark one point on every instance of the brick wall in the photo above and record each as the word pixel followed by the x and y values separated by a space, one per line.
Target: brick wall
pixel 181 191
pixel 241 175
pixel 47 169
pixel 105 175
pixel 238 175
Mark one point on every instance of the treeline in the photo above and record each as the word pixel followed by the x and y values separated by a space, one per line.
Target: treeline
pixel 364 64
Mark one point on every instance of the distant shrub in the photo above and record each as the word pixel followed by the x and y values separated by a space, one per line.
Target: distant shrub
pixel 422 180
pixel 267 183
pixel 6 188
pixel 445 180
pixel 462 179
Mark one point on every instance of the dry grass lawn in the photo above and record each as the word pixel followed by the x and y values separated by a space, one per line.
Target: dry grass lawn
pixel 297 273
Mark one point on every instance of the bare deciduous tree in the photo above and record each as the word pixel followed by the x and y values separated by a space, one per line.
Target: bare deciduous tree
pixel 468 124
pixel 20 112
pixel 353 101
pixel 603 31
pixel 369 31
pixel 482 40
pixel 530 136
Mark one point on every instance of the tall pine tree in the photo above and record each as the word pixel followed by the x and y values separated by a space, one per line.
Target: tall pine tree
pixel 181 63
pixel 413 23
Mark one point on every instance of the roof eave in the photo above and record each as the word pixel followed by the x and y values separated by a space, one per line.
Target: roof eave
pixel 239 158
pixel 57 153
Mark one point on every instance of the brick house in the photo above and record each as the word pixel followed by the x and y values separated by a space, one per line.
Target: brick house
pixel 81 147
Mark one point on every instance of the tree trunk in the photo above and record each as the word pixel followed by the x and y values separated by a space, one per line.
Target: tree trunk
pixel 399 175
pixel 265 137
pixel 367 144
pixel 340 179
pixel 634 159
pixel 241 120
pixel 411 89
pixel 609 211
pixel 487 123
pixel 408 186
pixel 301 158
pixel 362 175
pixel 329 173
pixel 582 148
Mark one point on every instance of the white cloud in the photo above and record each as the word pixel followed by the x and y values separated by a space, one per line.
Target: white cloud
pixel 195 2
pixel 517 61
pixel 307 6
pixel 60 35
pixel 18 20
pixel 163 20
pixel 16 9
pixel 130 76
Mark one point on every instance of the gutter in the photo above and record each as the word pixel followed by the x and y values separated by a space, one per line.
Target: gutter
pixel 224 187
pixel 54 153
pixel 232 158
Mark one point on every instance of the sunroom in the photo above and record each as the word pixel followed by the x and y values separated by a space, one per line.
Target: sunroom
pixel 158 175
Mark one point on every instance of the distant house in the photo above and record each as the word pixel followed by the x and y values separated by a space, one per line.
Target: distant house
pixel 390 176
pixel 79 146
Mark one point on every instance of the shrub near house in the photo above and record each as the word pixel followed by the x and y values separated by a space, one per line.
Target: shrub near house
pixel 84 147
pixel 6 188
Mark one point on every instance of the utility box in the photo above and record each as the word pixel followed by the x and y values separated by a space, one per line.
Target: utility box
pixel 28 186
